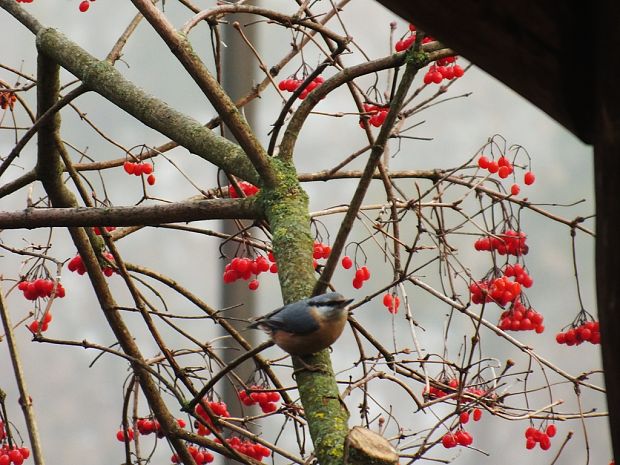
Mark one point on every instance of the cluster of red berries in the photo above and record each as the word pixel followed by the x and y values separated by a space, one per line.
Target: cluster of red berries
pixel 499 290
pixel 291 85
pixel 405 43
pixel 15 455
pixel 588 331
pixel 200 456
pixel 145 427
pixel 249 448
pixel 460 438
pixel 35 326
pixel 76 264
pixel 504 168
pixel 320 252
pixel 453 383
pixel 437 393
pixel 464 416
pixel 148 426
pixel 7 100
pixel 437 73
pixel 248 189
pixel 265 399
pixel 123 435
pixel 533 436
pixel 138 169
pixel 40 288
pixel 218 408
pixel 520 318
pixel 408 41
pixel 519 273
pixel 244 268
pixel 377 115
pixel 391 301
pixel 509 242
pixel 97 230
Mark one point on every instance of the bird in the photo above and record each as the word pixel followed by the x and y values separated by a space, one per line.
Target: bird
pixel 306 326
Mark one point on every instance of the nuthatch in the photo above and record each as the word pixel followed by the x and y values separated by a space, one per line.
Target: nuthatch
pixel 306 326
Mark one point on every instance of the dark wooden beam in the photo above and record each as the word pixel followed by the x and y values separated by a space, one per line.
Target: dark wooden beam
pixel 541 49
pixel 607 186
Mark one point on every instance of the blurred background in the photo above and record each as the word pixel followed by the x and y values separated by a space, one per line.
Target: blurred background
pixel 78 402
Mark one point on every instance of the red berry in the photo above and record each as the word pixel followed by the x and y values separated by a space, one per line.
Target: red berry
pixel 458 71
pixel 84 6
pixel 268 407
pixel 15 456
pixel 477 414
pixel 493 167
pixel 545 442
pixel 347 262
pixel 357 283
pixel 150 179
pixel 449 440
pixel 515 189
pixel 253 285
pixel 529 178
pixel 123 436
pixel 129 167
pixel 464 438
pixel 483 162
pixel 464 417
pixel 551 430
pixel 147 168
pixel 503 172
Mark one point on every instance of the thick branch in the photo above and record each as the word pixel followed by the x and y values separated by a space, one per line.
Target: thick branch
pixel 130 216
pixel 286 209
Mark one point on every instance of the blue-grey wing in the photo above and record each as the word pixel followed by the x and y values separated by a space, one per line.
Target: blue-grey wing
pixel 293 318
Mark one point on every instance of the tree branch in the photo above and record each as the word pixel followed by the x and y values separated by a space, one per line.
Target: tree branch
pixel 131 216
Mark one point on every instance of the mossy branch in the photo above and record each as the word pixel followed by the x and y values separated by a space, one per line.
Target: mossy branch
pixel 286 209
